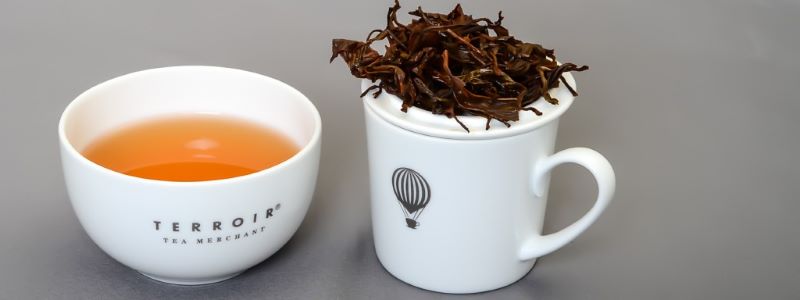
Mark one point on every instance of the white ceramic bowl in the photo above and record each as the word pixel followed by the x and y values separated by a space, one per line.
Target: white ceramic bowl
pixel 190 232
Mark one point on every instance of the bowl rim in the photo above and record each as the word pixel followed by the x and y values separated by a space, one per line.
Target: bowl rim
pixel 304 151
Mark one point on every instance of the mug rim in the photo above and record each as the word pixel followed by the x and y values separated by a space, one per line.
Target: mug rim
pixel 300 155
pixel 437 126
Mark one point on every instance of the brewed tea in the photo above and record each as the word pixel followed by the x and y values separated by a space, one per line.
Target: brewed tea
pixel 192 147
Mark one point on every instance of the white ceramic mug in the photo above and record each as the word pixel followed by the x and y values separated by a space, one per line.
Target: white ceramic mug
pixel 460 212
pixel 190 232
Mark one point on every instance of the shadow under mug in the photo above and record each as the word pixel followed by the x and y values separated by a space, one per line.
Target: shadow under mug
pixel 190 232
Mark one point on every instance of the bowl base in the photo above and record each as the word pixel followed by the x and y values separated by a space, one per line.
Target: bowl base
pixel 193 281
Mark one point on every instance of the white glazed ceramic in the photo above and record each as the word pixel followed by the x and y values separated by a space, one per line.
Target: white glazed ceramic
pixel 460 212
pixel 190 232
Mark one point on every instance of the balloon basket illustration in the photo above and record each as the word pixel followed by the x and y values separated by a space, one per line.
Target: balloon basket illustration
pixel 412 192
pixel 412 223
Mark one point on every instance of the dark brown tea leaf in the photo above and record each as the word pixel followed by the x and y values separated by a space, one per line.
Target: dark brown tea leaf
pixel 455 65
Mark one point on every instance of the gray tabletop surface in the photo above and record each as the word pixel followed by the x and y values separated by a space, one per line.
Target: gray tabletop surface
pixel 693 102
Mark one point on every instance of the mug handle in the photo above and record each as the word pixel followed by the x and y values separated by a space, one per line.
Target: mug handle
pixel 539 245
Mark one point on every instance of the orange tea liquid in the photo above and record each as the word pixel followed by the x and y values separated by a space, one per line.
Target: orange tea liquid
pixel 191 148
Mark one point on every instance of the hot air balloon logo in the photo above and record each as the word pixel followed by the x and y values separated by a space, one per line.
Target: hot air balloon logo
pixel 413 193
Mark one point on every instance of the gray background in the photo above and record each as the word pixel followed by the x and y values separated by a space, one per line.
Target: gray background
pixel 693 102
